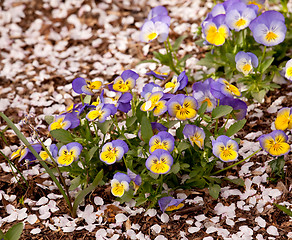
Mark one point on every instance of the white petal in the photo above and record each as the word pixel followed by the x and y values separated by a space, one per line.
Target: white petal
pixel 121 217
pixel 164 218
pixel 35 231
pixel 193 229
pixel 98 201
pixel 32 219
pixel 156 228
pixel 272 230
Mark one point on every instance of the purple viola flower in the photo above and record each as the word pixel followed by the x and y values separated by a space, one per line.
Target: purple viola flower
pixel 225 148
pixel 245 62
pixel 202 93
pixel 62 122
pixel 239 107
pixel 80 85
pixel 159 162
pixel 159 14
pixel 269 28
pixel 221 89
pixel 215 30
pixel 161 76
pixel 150 88
pixel 163 140
pixel 69 153
pixel 120 184
pixel 113 151
pixel 152 30
pixel 195 135
pixel 124 83
pixel 239 16
pixel 53 151
pixel 25 153
pixel 170 204
pixel 101 112
pixel 177 83
pixel 182 107
pixel 136 178
pixel 257 3
pixel 121 100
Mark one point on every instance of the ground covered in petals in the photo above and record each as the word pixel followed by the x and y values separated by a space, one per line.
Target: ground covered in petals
pixel 44 46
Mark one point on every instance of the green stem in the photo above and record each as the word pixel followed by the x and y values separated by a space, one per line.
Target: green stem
pixel 121 132
pixel 235 164
pixel 82 100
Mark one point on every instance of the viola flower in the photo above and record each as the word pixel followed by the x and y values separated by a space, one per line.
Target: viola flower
pixel 225 148
pixel 239 107
pixel 163 140
pixel 125 82
pixel 170 204
pixel 158 75
pixel 218 9
pixel 182 107
pixel 113 151
pixel 120 184
pixel 155 103
pixel 159 162
pixel 120 100
pixel 152 30
pixel 136 178
pixel 195 135
pixel 101 112
pixel 80 85
pixel 159 14
pixel 258 3
pixel 25 153
pixel 239 16
pixel 269 28
pixel 202 93
pixel 150 88
pixel 53 150
pixel 275 143
pixel 69 153
pixel 177 83
pixel 216 31
pixel 60 122
pixel 221 88
pixel 288 70
pixel 245 62
pixel 284 119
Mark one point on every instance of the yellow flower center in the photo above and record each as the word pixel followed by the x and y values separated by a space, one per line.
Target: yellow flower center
pixel 151 36
pixel 241 22
pixel 271 36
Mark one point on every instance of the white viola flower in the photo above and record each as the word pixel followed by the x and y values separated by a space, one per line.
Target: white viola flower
pixel 150 31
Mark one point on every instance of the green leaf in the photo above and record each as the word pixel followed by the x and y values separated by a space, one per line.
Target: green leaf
pixel 202 109
pixel 153 175
pixel 139 113
pixel 62 136
pixel 221 111
pixel 284 209
pixel 237 181
pixel 87 99
pixel 105 126
pixel 164 59
pixel 277 165
pixel 146 129
pixel 130 121
pixel 214 190
pixel 75 183
pixel 264 66
pixel 81 195
pixel 147 61
pixel 178 42
pixel 14 232
pixel 235 127
pixel 49 119
pixel 207 62
pixel 259 96
pixel 179 132
pixel 175 168
pixel 2 236
pixel 140 200
pixel 91 153
pixel 183 146
pixel 171 123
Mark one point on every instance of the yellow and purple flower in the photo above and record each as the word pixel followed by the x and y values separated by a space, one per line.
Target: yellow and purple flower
pixel 158 75
pixel 69 153
pixel 170 204
pixel 239 16
pixel 136 178
pixel 284 119
pixel 182 107
pixel 215 30
pixel 121 100
pixel 113 151
pixel 80 85
pixel 126 82
pixel 177 83
pixel 159 162
pixel 163 140
pixel 258 3
pixel 202 93
pixel 288 70
pixel 195 135
pixel 101 112
pixel 155 103
pixel 25 153
pixel 246 62
pixel 225 148
pixel 221 89
pixel 150 88
pixel 53 151
pixel 152 30
pixel 120 184
pixel 269 28
pixel 275 143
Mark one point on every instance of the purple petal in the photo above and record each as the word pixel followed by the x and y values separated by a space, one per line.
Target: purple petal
pixel 77 85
